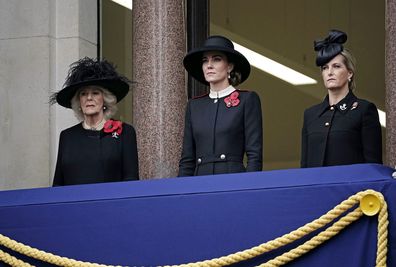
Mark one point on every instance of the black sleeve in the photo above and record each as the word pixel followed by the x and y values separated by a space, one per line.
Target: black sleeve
pixel 253 133
pixel 303 160
pixel 130 155
pixel 187 160
pixel 58 176
pixel 371 135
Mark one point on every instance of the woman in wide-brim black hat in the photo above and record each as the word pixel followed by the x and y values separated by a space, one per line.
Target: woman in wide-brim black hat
pixel 98 149
pixel 224 126
pixel 343 129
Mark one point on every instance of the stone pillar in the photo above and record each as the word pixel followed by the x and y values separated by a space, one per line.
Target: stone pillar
pixel 390 82
pixel 159 94
pixel 38 41
pixel 24 79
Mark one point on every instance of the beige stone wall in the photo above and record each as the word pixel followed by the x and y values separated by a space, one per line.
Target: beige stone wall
pixel 38 40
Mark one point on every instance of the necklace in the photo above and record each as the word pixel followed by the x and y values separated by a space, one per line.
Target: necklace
pixel 97 127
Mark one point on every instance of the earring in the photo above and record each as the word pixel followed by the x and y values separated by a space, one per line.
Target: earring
pixel 79 108
pixel 229 76
pixel 104 108
pixel 349 79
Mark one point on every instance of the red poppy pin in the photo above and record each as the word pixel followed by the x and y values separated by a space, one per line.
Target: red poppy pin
pixel 113 127
pixel 232 100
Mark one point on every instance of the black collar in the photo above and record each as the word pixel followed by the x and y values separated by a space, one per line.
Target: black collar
pixel 347 103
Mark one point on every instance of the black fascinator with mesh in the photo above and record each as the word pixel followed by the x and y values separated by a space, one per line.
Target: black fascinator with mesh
pixel 88 71
pixel 330 47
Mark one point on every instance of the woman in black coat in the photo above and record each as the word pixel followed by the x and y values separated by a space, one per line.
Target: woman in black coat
pixel 343 129
pixel 225 125
pixel 98 149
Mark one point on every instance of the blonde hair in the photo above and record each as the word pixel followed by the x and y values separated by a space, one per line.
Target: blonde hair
pixel 350 63
pixel 109 104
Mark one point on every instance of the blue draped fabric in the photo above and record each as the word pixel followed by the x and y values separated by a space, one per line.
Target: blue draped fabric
pixel 181 220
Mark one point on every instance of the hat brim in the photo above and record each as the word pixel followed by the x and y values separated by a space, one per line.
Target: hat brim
pixel 193 62
pixel 116 86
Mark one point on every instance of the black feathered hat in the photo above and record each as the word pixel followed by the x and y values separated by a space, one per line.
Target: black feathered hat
pixel 193 60
pixel 88 71
pixel 330 47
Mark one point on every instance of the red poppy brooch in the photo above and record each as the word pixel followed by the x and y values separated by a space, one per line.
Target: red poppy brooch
pixel 113 127
pixel 232 100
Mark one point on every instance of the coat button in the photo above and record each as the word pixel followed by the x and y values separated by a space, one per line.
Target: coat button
pixel 199 160
pixel 222 156
pixel 331 108
pixel 327 124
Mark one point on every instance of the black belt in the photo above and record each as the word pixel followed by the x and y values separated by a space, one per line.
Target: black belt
pixel 218 158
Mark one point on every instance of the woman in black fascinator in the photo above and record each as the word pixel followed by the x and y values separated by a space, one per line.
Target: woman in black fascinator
pixel 98 149
pixel 343 129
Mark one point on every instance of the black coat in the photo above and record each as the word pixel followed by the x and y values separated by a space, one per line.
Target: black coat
pixel 216 137
pixel 346 133
pixel 87 156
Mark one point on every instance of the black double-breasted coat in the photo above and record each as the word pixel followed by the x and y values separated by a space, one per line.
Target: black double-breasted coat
pixel 217 136
pixel 346 133
pixel 86 156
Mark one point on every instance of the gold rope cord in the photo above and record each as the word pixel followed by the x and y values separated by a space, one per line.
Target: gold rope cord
pixel 12 261
pixel 336 212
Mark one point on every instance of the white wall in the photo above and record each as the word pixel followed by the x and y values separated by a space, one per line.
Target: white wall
pixel 38 41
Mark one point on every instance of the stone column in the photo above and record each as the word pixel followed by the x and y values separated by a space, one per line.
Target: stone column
pixel 159 94
pixel 38 41
pixel 390 82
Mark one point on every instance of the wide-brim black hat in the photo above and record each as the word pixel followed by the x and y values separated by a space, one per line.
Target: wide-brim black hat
pixel 193 60
pixel 87 71
pixel 329 47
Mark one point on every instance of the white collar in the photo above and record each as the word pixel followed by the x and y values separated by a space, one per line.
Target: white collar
pixel 222 93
